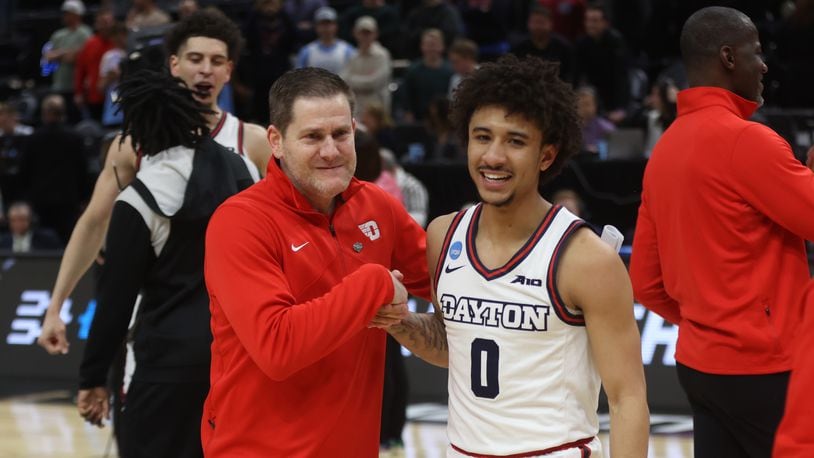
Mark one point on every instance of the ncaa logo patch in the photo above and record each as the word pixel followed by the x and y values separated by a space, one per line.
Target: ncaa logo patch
pixel 455 250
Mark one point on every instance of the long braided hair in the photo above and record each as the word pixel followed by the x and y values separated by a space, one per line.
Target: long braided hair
pixel 160 112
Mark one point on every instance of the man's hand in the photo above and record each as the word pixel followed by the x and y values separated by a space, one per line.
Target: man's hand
pixel 94 405
pixel 389 315
pixel 52 338
pixel 400 292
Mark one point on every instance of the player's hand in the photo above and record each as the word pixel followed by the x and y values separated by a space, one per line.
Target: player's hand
pixel 52 338
pixel 94 405
pixel 389 315
pixel 399 291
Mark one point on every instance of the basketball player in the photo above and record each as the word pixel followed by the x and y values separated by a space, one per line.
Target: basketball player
pixel 203 48
pixel 532 309
pixel 155 247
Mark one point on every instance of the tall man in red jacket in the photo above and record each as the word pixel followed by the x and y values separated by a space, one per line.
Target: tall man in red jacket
pixel 719 240
pixel 297 268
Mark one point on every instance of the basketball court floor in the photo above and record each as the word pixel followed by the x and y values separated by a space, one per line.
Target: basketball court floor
pixel 47 425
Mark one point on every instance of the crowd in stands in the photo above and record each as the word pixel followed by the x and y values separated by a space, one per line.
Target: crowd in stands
pixel 402 58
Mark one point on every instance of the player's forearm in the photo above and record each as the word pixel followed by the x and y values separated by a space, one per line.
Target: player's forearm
pixel 83 247
pixel 629 427
pixel 424 335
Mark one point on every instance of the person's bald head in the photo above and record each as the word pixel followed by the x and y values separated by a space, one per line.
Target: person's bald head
pixel 720 47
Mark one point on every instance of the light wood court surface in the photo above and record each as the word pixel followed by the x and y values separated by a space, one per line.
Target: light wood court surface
pixel 47 425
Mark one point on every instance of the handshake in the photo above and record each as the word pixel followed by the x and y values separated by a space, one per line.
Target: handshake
pixel 391 314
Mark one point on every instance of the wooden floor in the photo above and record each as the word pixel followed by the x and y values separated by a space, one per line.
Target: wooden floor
pixel 47 425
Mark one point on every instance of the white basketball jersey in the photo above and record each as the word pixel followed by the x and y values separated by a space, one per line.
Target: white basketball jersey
pixel 229 133
pixel 521 374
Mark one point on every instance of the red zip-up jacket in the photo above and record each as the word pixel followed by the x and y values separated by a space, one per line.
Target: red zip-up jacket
pixel 86 69
pixel 795 436
pixel 295 370
pixel 719 244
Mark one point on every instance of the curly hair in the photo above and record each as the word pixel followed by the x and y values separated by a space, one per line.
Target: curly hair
pixel 210 23
pixel 530 88
pixel 160 112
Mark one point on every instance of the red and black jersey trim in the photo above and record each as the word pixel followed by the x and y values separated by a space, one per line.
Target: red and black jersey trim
pixel 239 138
pixel 560 309
pixel 581 444
pixel 442 256
pixel 522 253
pixel 214 133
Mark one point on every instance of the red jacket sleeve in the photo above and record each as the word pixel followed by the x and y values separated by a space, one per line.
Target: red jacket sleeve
pixel 794 438
pixel 245 278
pixel 645 269
pixel 770 178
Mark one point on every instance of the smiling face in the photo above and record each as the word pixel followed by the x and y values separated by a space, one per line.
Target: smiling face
pixel 204 65
pixel 317 150
pixel 506 154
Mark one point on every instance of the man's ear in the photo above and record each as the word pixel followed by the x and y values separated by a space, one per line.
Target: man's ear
pixel 275 138
pixel 547 156
pixel 727 57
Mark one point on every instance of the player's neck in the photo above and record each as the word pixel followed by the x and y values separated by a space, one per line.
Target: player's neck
pixel 213 119
pixel 514 221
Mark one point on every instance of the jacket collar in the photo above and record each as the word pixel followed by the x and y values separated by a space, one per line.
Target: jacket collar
pixel 291 196
pixel 696 98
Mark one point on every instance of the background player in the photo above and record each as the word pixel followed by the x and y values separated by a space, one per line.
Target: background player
pixel 203 48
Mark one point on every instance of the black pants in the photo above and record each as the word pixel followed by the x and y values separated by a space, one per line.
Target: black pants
pixel 394 396
pixel 163 420
pixel 734 415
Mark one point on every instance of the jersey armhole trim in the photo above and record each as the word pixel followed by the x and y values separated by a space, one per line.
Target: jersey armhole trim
pixel 567 316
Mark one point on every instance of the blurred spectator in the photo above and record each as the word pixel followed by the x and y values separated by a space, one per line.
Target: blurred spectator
pixel 431 14
pixel 486 22
pixel 369 165
pixel 567 17
pixel 544 43
pixel 595 128
pixel 387 19
pixel 569 199
pixel 87 95
pixel 270 39
pixel 463 56
pixel 13 138
pixel 53 171
pixel 427 77
pixel 368 71
pixel 110 72
pixel 446 146
pixel 145 14
pixel 601 63
pixel 65 46
pixel 415 196
pixel 658 113
pixel 10 122
pixel 328 51
pixel 301 13
pixel 187 7
pixel 377 121
pixel 23 236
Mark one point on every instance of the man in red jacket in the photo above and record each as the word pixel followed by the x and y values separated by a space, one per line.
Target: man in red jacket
pixel 719 244
pixel 297 268
pixel 86 72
